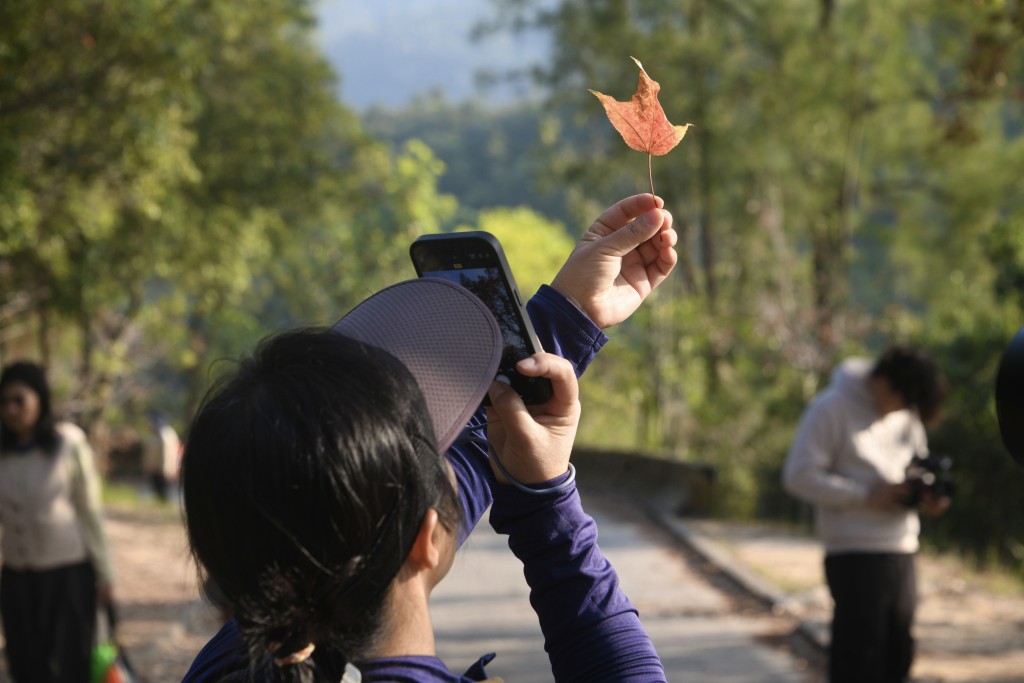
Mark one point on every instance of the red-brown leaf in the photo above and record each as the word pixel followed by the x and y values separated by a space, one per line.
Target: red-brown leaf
pixel 641 121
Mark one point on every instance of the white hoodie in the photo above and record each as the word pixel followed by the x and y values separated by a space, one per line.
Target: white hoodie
pixel 842 450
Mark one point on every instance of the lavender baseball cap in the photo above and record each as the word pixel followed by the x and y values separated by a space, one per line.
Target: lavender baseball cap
pixel 446 338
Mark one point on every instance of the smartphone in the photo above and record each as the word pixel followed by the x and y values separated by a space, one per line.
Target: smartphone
pixel 476 261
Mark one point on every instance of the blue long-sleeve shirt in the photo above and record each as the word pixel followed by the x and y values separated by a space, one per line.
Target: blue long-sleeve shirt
pixel 591 630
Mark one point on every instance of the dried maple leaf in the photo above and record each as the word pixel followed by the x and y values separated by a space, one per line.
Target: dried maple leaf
pixel 642 122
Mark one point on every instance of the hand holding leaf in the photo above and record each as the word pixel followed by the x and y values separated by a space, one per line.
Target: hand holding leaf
pixel 641 121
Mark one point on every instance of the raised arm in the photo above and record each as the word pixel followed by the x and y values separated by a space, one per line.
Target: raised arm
pixel 624 255
pixel 627 252
pixel 591 629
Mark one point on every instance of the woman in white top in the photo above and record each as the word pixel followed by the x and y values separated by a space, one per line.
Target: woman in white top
pixel 56 564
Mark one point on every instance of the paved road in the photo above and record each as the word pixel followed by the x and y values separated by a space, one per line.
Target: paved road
pixel 703 634
pixel 698 630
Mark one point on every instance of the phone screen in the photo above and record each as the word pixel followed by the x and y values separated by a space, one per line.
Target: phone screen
pixel 474 261
pixel 487 285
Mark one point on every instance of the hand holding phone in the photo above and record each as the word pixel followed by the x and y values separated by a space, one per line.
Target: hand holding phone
pixel 533 444
pixel 476 261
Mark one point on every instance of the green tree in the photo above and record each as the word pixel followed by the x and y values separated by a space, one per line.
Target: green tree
pixel 534 246
pixel 492 156
pixel 848 182
pixel 176 179
pixel 95 140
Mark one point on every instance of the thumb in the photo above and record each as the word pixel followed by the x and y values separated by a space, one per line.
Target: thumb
pixel 636 232
pixel 503 396
pixel 508 405
pixel 499 390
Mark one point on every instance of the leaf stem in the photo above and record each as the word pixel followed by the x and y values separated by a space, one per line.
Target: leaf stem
pixel 650 173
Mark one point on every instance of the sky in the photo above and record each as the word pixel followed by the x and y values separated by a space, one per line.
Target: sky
pixel 387 51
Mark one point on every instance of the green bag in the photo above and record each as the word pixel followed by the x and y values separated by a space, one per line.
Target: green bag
pixel 109 663
pixel 104 654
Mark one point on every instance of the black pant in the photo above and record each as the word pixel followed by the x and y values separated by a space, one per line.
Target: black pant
pixel 160 486
pixel 875 596
pixel 49 622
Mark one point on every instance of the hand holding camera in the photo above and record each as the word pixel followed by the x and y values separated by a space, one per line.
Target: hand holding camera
pixel 929 483
pixel 928 487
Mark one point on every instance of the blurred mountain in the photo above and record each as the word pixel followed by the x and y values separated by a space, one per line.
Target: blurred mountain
pixel 388 51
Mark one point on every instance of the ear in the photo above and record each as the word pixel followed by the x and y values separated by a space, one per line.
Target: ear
pixel 428 548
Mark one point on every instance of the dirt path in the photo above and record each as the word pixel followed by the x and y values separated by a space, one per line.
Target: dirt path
pixel 969 627
pixel 163 623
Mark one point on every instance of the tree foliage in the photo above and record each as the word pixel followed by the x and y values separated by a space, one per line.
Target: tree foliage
pixel 493 156
pixel 851 180
pixel 176 179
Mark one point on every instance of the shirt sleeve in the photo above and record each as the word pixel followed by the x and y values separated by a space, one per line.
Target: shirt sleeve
pixel 85 493
pixel 920 438
pixel 563 330
pixel 592 631
pixel 473 475
pixel 808 472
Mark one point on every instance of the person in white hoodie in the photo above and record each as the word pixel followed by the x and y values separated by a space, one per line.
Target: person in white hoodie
pixel 849 459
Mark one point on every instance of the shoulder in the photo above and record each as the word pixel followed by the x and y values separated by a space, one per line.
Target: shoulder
pixel 72 438
pixel 70 431
pixel 849 383
pixel 826 415
pixel 856 366
pixel 223 656
pixel 421 668
pixel 850 376
pixel 825 404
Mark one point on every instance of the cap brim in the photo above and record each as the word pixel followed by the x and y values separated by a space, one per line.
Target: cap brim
pixel 444 335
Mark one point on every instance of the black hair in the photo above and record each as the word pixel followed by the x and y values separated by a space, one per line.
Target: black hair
pixel 33 376
pixel 306 476
pixel 915 376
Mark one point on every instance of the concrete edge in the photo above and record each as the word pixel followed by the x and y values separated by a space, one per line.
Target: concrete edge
pixel 745 579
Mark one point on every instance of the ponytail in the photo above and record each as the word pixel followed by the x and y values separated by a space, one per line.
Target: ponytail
pixel 306 476
pixel 297 666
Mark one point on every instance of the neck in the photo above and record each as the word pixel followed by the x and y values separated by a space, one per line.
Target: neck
pixel 408 630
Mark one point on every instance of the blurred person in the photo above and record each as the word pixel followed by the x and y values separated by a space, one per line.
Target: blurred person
pixel 849 459
pixel 161 457
pixel 56 562
pixel 329 480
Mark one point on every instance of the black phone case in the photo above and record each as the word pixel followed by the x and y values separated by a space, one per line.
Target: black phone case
pixel 452 253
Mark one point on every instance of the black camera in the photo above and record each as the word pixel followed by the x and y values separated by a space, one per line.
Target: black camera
pixel 932 473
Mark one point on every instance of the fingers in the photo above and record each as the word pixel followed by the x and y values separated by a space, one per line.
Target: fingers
pixel 888 496
pixel 661 243
pixel 657 254
pixel 659 268
pixel 624 211
pixel 565 387
pixel 636 232
pixel 632 222
pixel 506 403
pixel 564 395
pixel 533 444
